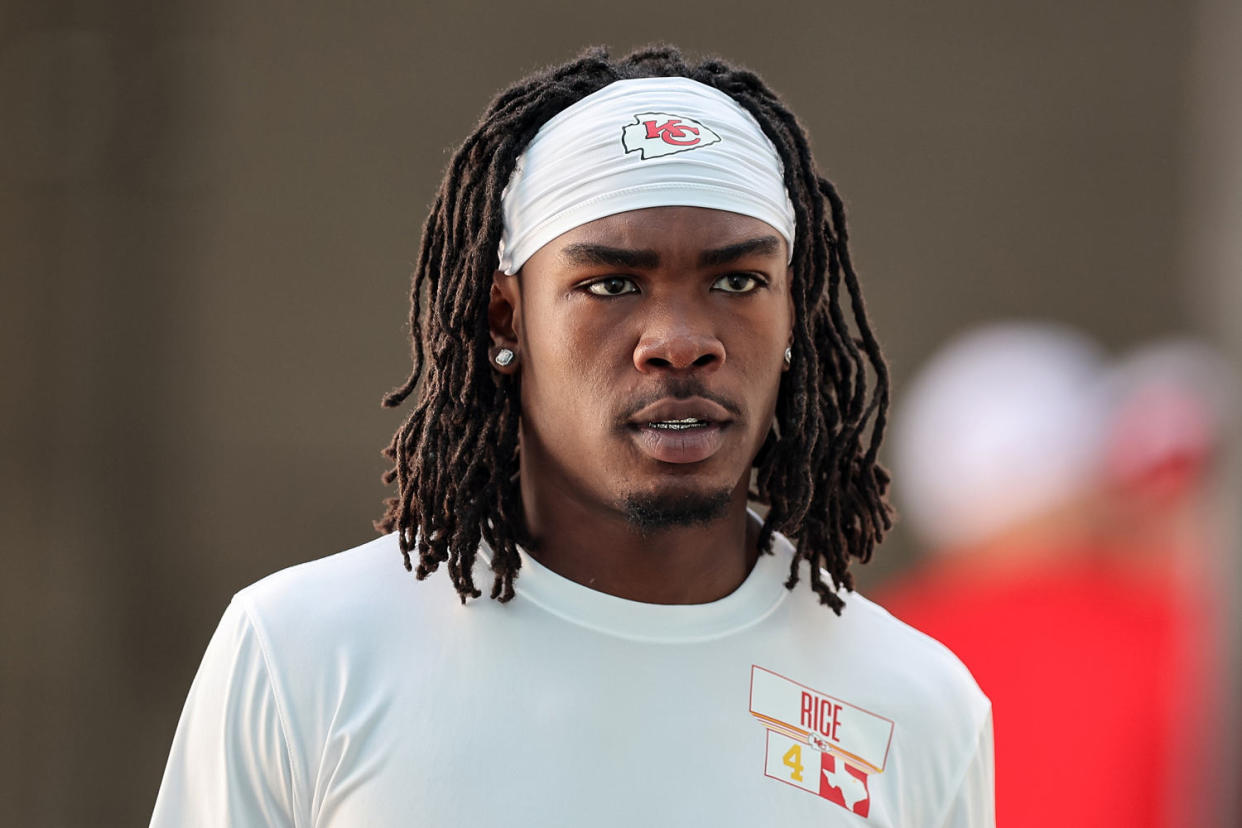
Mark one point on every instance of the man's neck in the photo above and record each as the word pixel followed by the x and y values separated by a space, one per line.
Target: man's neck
pixel 602 550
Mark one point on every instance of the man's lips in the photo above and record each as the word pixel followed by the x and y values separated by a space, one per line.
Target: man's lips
pixel 680 430
pixel 690 445
pixel 669 409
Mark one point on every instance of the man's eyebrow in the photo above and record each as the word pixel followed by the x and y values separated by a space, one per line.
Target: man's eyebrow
pixel 598 254
pixel 762 245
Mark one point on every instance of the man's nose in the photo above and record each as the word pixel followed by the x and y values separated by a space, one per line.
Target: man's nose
pixel 678 341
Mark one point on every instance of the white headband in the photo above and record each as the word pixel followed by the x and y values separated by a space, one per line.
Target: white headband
pixel 647 142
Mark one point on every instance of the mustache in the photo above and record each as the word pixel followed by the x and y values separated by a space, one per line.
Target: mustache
pixel 680 389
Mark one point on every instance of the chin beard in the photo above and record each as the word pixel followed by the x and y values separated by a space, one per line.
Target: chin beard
pixel 654 512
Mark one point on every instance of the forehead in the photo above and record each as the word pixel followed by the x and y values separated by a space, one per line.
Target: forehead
pixel 670 228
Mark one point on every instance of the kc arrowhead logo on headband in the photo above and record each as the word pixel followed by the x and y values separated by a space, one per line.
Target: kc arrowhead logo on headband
pixel 572 171
pixel 654 134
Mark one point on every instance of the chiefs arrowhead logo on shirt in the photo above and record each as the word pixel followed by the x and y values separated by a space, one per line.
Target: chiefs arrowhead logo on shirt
pixel 654 134
pixel 817 742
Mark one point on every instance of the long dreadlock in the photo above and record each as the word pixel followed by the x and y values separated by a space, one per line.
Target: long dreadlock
pixel 455 459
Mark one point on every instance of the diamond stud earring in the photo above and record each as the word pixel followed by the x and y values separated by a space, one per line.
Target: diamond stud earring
pixel 503 357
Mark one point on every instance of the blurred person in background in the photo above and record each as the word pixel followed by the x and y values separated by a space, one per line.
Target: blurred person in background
pixel 1162 528
pixel 1053 495
pixel 1170 406
pixel 631 297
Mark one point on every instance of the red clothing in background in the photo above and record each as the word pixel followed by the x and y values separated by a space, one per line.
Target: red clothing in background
pixel 1093 685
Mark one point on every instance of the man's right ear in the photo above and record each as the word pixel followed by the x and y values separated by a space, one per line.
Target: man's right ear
pixel 504 321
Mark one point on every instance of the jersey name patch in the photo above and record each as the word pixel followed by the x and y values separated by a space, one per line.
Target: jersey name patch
pixel 818 742
pixel 654 134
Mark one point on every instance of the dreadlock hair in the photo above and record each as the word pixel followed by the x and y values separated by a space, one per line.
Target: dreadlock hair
pixel 455 458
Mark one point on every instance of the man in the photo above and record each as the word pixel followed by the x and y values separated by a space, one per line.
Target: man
pixel 628 297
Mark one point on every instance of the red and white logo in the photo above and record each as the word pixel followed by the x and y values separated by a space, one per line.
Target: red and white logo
pixel 844 784
pixel 654 134
pixel 819 743
pixel 822 773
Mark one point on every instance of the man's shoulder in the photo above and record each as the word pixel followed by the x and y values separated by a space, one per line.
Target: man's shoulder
pixel 904 672
pixel 364 568
pixel 919 651
pixel 913 657
pixel 359 594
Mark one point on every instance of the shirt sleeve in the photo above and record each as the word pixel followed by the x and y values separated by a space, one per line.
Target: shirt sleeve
pixel 230 758
pixel 974 804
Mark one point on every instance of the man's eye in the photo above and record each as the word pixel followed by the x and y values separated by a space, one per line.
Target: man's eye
pixel 739 282
pixel 612 286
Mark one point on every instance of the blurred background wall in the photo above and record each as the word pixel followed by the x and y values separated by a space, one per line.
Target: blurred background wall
pixel 208 214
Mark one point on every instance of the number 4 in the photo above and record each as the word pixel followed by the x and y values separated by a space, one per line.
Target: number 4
pixel 793 760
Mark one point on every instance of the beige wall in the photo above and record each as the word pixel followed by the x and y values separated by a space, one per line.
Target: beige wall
pixel 208 214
